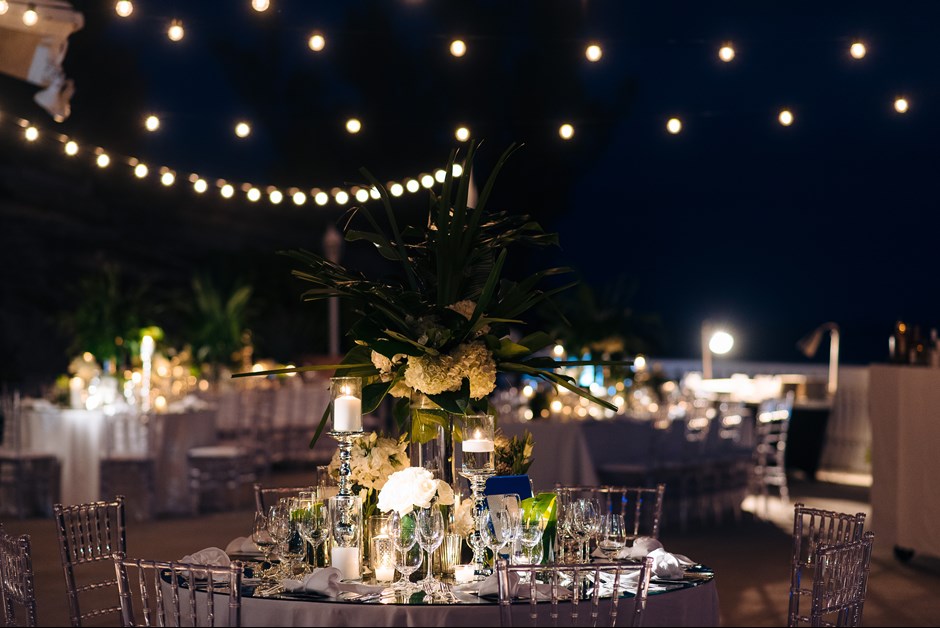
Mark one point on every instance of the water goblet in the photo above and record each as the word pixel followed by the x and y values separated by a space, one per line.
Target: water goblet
pixel 612 536
pixel 280 529
pixel 261 535
pixel 407 561
pixel 408 554
pixel 314 526
pixel 493 541
pixel 430 535
pixel 530 536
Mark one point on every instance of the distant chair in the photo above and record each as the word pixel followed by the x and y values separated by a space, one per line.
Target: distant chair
pixel 127 467
pixel 768 466
pixel 161 593
pixel 218 472
pixel 547 583
pixel 813 531
pixel 16 578
pixel 262 493
pixel 89 534
pixel 29 482
pixel 642 508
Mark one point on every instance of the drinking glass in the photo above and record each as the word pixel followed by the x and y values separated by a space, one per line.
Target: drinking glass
pixel 430 534
pixel 530 536
pixel 314 526
pixel 261 535
pixel 586 523
pixel 402 530
pixel 280 529
pixel 493 541
pixel 612 536
pixel 407 561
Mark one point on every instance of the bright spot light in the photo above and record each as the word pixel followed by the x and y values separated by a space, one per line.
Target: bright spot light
pixel 31 134
pixel 317 42
pixel 427 180
pixel 254 195
pixel 458 48
pixel 396 189
pixel 720 343
pixel 674 125
pixel 152 123
pixel 556 405
pixel 200 186
pixel 353 125
pixel 639 362
pixel 566 131
pixel 175 31
pixel 726 53
pixel 124 8
pixel 103 160
pixel 321 198
pixel 857 50
pixel 593 53
pixel 167 178
pixel 412 185
pixel 785 117
pixel 71 148
pixel 341 198
pixel 242 129
pixel 527 391
pixel 275 197
pixel 457 169
pixel 462 133
pixel 558 351
pixel 4 6
pixel 260 5
pixel 299 198
pixel 375 194
pixel 440 175
pixel 901 105
pixel 30 17
pixel 227 191
pixel 141 170
pixel 362 195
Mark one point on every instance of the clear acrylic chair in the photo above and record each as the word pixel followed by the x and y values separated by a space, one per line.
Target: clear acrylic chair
pixel 157 593
pixel 17 587
pixel 531 584
pixel 840 583
pixel 814 528
pixel 29 481
pixel 642 508
pixel 768 466
pixel 89 534
pixel 265 494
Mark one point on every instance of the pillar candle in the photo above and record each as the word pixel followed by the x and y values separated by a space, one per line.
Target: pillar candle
pixel 346 559
pixel 478 445
pixel 347 414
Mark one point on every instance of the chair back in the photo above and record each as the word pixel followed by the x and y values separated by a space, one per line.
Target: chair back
pixel 267 496
pixel 11 417
pixel 840 583
pixel 17 586
pixel 89 534
pixel 572 592
pixel 814 528
pixel 642 508
pixel 157 593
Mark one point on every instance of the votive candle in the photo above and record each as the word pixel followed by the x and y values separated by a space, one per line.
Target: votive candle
pixel 384 574
pixel 347 414
pixel 346 559
pixel 464 573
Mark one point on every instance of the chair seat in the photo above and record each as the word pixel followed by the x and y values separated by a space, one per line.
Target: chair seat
pixel 217 451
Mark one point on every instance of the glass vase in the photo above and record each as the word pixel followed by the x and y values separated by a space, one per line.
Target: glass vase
pixel 432 438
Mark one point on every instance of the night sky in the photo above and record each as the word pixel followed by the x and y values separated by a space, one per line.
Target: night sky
pixel 771 229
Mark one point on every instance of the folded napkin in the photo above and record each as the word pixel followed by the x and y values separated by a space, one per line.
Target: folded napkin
pixel 242 545
pixel 327 581
pixel 665 565
pixel 211 556
pixel 490 588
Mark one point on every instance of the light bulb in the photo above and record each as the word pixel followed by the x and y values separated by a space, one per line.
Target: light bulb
pixel 168 178
pixel 726 53
pixel 321 198
pixel 674 125
pixel 458 48
pixel 200 186
pixel 439 175
pixel 412 185
pixel 317 42
pixel 31 134
pixel 4 6
pixel 141 170
pixel 362 195
pixel 71 148
pixel 276 196
pixel 353 125
pixel 375 194
pixel 242 129
pixel 299 198
pixel 254 195
pixel 566 131
pixel 227 191
pixel 124 8
pixel 901 105
pixel 260 5
pixel 175 32
pixel 593 53
pixel 785 117
pixel 341 198
pixel 152 123
pixel 462 133
pixel 30 17
pixel 457 170
pixel 396 189
pixel 858 50
pixel 427 180
pixel 103 160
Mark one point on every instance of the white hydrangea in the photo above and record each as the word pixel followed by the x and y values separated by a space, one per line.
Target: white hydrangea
pixel 372 460
pixel 432 375
pixel 385 365
pixel 465 308
pixel 475 362
pixel 410 488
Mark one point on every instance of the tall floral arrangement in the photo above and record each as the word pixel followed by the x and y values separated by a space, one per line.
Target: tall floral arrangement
pixel 373 459
pixel 440 326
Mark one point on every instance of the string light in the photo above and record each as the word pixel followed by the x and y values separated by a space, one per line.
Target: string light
pixel 71 148
pixel 175 32
pixel 200 186
pixel 321 198
pixel 374 193
pixel 253 194
pixel 299 198
pixel 152 123
pixel 427 181
pixel 260 5
pixel 4 7
pixel 901 105
pixel 242 129
pixel 30 17
pixel 31 134
pixel 786 117
pixel 275 196
pixel 396 189
pixel 124 8
pixel 857 50
pixel 462 133
pixel 141 170
pixel 317 42
pixel 103 160
pixel 227 190
pixel 674 125
pixel 593 53
pixel 440 175
pixel 412 185
pixel 458 48
pixel 167 178
pixel 341 197
pixel 726 53
pixel 566 131
pixel 457 169
pixel 362 196
pixel 353 125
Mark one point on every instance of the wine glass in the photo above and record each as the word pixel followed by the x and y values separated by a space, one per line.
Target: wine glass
pixel 612 536
pixel 261 535
pixel 280 529
pixel 430 534
pixel 314 526
pixel 488 534
pixel 407 561
pixel 402 530
pixel 586 522
pixel 530 535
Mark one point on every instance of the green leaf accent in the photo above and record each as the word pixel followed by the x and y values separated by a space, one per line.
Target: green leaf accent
pixel 373 394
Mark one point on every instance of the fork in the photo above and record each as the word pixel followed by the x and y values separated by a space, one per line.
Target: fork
pixel 447 592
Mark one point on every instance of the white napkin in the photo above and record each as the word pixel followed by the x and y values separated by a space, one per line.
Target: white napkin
pixel 242 545
pixel 212 556
pixel 326 581
pixel 665 565
pixel 490 588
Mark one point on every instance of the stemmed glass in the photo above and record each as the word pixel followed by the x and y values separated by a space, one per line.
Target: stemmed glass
pixel 530 536
pixel 430 534
pixel 261 535
pixel 493 541
pixel 314 525
pixel 586 522
pixel 612 536
pixel 280 528
pixel 408 554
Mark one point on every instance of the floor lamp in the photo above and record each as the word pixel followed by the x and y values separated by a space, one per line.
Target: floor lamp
pixel 810 343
